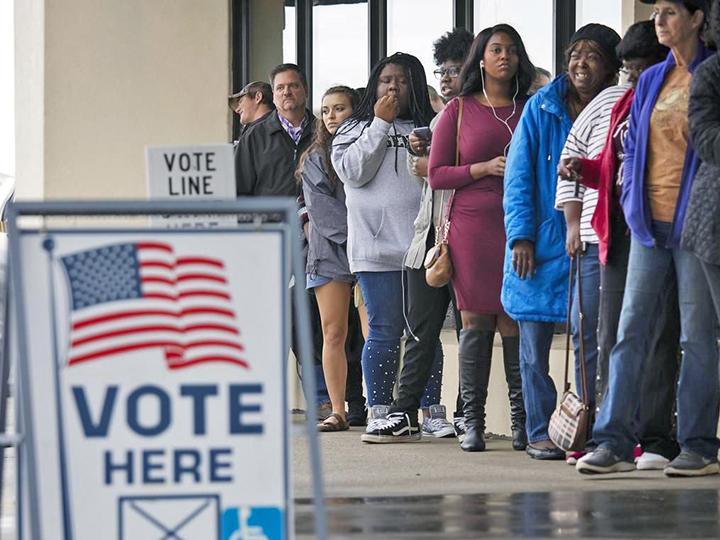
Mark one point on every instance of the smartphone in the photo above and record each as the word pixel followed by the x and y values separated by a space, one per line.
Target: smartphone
pixel 423 133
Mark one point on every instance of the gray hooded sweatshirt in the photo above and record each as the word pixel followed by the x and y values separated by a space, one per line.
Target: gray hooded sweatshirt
pixel 383 197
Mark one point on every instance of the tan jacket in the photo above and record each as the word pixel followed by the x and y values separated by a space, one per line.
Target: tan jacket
pixel 430 213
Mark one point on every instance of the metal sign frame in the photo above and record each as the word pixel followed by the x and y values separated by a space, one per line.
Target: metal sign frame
pixel 24 439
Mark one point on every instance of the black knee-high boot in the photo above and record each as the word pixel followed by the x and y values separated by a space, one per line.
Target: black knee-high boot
pixel 474 355
pixel 511 360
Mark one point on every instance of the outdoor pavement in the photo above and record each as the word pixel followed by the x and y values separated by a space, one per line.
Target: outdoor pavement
pixel 434 490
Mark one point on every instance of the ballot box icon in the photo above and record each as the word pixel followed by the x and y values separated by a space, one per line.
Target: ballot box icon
pixel 176 517
pixel 252 523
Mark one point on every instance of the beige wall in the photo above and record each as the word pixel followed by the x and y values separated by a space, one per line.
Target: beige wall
pixel 634 11
pixel 114 77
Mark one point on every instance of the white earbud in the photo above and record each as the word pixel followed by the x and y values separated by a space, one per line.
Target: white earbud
pixel 505 121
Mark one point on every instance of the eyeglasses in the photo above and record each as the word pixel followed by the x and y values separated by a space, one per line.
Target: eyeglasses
pixel 452 72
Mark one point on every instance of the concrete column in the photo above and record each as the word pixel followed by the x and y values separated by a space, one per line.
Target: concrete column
pixel 98 81
pixel 29 102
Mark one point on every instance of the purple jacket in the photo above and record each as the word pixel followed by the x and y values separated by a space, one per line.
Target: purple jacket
pixel 634 197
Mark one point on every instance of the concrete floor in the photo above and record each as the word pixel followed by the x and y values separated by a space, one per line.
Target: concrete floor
pixel 434 490
pixel 439 467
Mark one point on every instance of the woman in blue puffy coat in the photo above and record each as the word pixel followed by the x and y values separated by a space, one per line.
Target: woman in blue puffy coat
pixel 535 274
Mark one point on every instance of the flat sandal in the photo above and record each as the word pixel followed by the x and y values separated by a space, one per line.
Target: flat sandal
pixel 339 424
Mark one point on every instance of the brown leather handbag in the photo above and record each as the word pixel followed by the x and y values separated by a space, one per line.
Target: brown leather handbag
pixel 570 423
pixel 438 265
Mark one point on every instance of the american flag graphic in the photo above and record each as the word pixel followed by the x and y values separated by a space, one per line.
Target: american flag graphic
pixel 131 296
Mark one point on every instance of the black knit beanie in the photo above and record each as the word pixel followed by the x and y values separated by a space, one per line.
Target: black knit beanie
pixel 605 37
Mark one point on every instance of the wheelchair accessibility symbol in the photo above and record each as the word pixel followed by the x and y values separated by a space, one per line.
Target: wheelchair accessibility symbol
pixel 169 517
pixel 252 523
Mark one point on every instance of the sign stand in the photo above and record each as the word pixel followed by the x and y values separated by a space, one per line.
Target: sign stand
pixel 40 513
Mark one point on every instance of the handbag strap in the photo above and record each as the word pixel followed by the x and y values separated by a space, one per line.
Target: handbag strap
pixel 581 327
pixel 444 229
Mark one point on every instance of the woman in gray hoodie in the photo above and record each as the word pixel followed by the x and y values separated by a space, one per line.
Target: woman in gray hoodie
pixel 369 154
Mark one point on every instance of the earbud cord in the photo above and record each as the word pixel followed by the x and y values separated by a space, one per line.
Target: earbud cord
pixel 492 108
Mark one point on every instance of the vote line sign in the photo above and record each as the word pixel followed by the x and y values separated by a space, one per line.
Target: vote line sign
pixel 191 173
pixel 158 383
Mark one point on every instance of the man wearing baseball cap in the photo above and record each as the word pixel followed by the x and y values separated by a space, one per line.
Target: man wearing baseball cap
pixel 252 103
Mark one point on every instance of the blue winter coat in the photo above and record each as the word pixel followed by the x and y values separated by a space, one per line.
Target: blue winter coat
pixel 529 203
pixel 634 199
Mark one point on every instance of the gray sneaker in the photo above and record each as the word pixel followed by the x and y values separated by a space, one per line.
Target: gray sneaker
pixel 377 413
pixel 436 424
pixel 691 464
pixel 603 461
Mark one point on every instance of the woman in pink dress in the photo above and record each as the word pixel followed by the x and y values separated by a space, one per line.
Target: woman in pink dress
pixel 494 81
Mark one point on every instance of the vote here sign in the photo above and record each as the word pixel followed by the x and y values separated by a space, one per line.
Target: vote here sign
pixel 158 383
pixel 191 173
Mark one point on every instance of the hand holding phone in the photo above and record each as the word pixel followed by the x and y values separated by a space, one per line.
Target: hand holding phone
pixel 420 140
pixel 423 133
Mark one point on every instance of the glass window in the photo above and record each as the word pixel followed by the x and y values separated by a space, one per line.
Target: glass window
pixel 340 47
pixel 534 21
pixel 607 12
pixel 413 27
pixel 7 90
pixel 288 37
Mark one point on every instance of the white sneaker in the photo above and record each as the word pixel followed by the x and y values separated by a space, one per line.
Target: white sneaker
pixel 437 425
pixel 651 462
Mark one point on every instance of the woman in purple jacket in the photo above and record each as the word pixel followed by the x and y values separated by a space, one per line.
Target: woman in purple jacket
pixel 660 163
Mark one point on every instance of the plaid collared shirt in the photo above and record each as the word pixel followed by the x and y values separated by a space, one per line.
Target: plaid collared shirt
pixel 294 132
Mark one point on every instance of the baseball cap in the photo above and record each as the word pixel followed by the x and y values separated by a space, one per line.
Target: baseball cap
pixel 250 88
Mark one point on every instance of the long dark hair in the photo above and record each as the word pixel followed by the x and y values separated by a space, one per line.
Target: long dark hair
pixel 420 109
pixel 470 76
pixel 322 138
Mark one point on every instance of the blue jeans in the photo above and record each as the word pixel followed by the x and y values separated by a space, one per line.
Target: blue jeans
pixel 383 295
pixel 539 393
pixel 698 395
pixel 590 275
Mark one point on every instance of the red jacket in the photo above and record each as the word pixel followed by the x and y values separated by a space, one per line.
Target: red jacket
pixel 600 174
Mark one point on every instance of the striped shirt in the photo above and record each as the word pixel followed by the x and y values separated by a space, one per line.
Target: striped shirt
pixel 586 140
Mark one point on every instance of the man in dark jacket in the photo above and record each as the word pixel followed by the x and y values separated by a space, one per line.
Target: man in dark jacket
pixel 265 162
pixel 268 152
